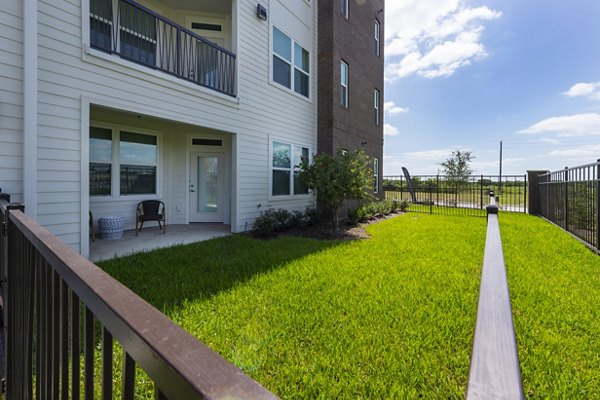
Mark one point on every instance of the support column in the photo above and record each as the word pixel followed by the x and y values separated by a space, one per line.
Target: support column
pixel 533 190
pixel 30 108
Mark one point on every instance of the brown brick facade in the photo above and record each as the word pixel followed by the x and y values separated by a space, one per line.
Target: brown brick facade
pixel 353 41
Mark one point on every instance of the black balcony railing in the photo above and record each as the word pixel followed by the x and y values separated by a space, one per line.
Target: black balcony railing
pixel 138 34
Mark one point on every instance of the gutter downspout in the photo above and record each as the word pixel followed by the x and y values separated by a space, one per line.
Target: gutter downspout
pixel 30 108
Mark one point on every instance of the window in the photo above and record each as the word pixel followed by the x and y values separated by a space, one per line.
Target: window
pixel 138 163
pixel 100 162
pixel 101 15
pixel 377 37
pixel 344 84
pixel 344 8
pixel 376 96
pixel 376 175
pixel 133 172
pixel 288 53
pixel 285 169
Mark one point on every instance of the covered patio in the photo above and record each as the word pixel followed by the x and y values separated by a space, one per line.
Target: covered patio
pixel 151 238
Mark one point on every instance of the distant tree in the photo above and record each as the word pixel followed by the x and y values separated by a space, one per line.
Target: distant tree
pixel 457 167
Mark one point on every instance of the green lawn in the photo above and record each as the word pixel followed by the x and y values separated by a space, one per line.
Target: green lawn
pixel 388 317
pixel 555 292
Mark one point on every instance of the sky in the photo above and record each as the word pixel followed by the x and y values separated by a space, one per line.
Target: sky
pixel 467 74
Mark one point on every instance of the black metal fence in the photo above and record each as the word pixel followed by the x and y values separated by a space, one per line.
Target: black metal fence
pixel 136 33
pixel 439 194
pixel 64 314
pixel 570 199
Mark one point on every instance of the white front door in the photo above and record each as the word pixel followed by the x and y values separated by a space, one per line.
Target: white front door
pixel 206 187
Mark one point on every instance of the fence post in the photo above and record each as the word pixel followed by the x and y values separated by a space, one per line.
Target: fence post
pixel 430 200
pixel 598 204
pixel 566 198
pixel 525 194
pixel 437 190
pixel 534 182
pixel 481 192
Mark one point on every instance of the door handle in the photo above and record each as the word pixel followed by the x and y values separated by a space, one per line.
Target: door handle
pixel 192 191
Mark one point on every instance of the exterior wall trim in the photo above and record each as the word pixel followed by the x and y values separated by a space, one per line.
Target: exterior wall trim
pixel 30 108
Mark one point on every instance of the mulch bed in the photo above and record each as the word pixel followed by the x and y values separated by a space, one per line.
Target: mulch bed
pixel 346 232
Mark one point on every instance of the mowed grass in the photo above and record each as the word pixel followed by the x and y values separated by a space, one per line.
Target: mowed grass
pixel 388 317
pixel 554 283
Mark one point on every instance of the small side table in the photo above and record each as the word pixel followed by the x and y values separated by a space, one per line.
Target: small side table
pixel 111 227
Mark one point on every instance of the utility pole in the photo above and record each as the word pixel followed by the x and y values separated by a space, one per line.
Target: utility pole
pixel 500 177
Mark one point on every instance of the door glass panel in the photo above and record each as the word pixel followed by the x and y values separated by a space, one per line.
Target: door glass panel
pixel 208 198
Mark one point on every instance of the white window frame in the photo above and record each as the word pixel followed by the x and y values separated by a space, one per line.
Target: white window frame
pixel 291 63
pixel 344 8
pixel 376 106
pixel 294 166
pixel 344 86
pixel 377 38
pixel 376 174
pixel 116 163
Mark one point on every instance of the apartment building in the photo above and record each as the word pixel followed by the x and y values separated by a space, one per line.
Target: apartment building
pixel 205 105
pixel 351 44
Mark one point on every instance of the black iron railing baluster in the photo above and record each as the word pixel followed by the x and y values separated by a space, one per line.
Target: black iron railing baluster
pixel 75 347
pixel 128 377
pixel 107 365
pixel 64 340
pixel 88 367
pixel 55 333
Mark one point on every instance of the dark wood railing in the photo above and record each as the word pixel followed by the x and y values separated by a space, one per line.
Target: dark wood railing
pixel 54 300
pixel 495 370
pixel 138 34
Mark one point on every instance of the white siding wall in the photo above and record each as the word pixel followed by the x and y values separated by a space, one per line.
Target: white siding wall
pixel 70 76
pixel 11 99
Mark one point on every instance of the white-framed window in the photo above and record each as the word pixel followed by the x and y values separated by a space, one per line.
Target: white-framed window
pixel 291 63
pixel 101 160
pixel 377 38
pixel 376 103
pixel 122 163
pixel 344 70
pixel 376 175
pixel 344 8
pixel 285 169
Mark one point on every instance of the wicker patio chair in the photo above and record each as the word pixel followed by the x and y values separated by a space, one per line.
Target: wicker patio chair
pixel 151 210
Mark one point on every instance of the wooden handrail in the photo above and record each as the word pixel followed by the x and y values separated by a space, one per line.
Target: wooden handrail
pixel 181 366
pixel 495 371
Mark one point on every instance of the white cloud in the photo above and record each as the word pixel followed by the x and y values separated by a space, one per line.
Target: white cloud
pixel 590 90
pixel 390 130
pixel 390 108
pixel 433 38
pixel 582 152
pixel 549 141
pixel 438 154
pixel 567 126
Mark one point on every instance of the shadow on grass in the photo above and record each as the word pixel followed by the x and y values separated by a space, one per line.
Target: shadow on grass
pixel 167 277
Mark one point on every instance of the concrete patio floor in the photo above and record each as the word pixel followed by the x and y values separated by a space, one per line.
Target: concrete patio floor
pixel 151 238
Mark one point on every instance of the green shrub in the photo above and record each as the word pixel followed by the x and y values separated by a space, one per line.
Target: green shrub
pixel 368 210
pixel 266 224
pixel 274 220
pixel 336 178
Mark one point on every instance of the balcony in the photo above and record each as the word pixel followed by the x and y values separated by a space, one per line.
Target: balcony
pixel 138 34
